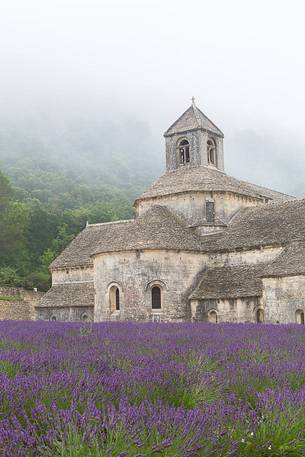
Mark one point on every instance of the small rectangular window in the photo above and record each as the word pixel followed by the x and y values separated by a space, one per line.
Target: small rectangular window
pixel 210 211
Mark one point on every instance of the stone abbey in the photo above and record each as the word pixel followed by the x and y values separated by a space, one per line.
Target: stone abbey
pixel 203 246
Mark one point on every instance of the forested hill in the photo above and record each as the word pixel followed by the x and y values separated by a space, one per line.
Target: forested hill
pixel 55 177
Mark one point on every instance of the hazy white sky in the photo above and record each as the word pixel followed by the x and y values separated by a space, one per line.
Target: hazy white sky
pixel 244 61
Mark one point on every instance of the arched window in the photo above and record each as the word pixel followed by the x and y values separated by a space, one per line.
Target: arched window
pixel 259 316
pixel 184 151
pixel 213 316
pixel 299 316
pixel 53 318
pixel 84 317
pixel 156 297
pixel 211 148
pixel 114 299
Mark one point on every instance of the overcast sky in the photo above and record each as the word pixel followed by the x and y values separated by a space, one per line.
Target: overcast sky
pixel 244 61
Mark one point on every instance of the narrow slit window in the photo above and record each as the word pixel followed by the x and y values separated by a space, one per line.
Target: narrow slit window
pixel 156 297
pixel 210 212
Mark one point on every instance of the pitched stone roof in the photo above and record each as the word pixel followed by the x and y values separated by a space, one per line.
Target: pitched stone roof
pixel 161 228
pixel 229 282
pixel 206 179
pixel 193 118
pixel 272 223
pixel 290 262
pixel 78 252
pixel 158 228
pixel 69 294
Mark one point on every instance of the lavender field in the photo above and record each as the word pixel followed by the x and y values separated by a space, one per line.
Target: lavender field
pixel 130 389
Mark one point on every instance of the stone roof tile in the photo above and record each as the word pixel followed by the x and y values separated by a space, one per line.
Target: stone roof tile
pixel 161 228
pixel 158 228
pixel 268 224
pixel 193 118
pixel 78 252
pixel 69 294
pixel 229 282
pixel 290 262
pixel 206 179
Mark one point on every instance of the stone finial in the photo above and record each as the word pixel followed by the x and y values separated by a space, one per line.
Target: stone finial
pixel 193 101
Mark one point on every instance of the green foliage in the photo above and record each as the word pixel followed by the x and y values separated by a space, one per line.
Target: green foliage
pixel 6 191
pixel 10 298
pixel 9 277
pixel 40 217
pixel 12 345
pixel 8 368
pixel 72 443
pixel 279 434
pixel 39 279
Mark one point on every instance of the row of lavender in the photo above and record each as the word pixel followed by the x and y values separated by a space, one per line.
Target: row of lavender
pixel 130 389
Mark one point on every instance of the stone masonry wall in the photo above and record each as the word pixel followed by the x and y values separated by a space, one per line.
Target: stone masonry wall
pixel 71 313
pixel 282 297
pixel 135 273
pixel 18 304
pixel 198 149
pixel 228 310
pixel 254 256
pixel 192 205
pixel 77 274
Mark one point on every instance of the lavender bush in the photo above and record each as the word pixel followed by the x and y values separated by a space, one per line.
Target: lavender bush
pixel 131 389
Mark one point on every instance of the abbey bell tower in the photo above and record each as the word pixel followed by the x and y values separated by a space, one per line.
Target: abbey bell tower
pixel 194 141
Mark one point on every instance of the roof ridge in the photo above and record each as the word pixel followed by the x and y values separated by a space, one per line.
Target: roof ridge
pixel 277 203
pixel 264 187
pixel 201 121
pixel 123 221
pixel 196 112
pixel 210 120
pixel 177 120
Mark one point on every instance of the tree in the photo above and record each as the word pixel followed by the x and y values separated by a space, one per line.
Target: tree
pixel 6 192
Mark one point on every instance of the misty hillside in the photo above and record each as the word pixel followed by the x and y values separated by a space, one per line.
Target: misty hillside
pixel 46 156
pixel 57 174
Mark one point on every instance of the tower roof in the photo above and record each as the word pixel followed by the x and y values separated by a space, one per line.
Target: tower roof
pixel 193 119
pixel 204 179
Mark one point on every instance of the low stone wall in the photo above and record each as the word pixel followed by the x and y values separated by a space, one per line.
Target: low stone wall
pixel 18 303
